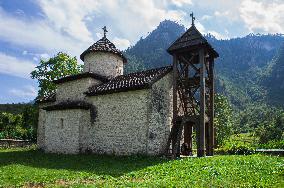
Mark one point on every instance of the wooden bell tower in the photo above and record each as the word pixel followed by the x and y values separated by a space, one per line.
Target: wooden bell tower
pixel 193 94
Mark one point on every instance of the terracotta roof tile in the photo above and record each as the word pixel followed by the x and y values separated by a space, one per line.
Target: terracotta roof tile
pixel 133 81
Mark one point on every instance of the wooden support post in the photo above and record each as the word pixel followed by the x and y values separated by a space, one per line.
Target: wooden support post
pixel 201 130
pixel 175 77
pixel 211 110
pixel 207 138
pixel 188 138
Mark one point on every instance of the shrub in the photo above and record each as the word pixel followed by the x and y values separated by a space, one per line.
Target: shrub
pixel 273 144
pixel 237 149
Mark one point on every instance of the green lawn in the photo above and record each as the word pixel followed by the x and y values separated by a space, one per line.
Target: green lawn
pixel 27 167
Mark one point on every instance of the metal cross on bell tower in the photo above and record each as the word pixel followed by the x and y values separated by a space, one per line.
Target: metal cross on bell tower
pixel 105 31
pixel 192 18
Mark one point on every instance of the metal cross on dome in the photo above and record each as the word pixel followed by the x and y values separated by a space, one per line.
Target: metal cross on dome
pixel 105 31
pixel 192 18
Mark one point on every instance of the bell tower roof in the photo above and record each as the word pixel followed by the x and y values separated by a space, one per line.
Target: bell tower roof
pixel 103 45
pixel 190 40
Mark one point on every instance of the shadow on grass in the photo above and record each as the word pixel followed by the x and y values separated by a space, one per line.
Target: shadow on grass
pixel 98 164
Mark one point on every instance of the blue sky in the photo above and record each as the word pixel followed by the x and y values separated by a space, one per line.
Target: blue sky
pixel 31 30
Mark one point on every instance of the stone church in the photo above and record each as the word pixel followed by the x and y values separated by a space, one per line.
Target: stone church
pixel 104 111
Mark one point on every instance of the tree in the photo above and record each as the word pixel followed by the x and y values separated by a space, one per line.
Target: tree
pixel 10 125
pixel 223 119
pixel 271 130
pixel 56 67
pixel 30 121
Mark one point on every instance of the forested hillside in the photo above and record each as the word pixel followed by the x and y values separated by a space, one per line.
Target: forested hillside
pixel 245 71
pixel 14 108
pixel 273 80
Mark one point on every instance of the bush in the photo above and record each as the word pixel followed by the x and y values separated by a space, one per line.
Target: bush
pixel 273 144
pixel 19 126
pixel 237 149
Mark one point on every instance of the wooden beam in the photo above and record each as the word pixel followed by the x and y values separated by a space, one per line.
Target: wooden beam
pixel 188 137
pixel 201 132
pixel 211 110
pixel 207 138
pixel 175 105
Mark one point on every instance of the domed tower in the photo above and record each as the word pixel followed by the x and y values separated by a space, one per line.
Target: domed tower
pixel 103 58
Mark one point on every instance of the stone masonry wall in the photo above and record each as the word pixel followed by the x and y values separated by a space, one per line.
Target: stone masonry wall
pixel 62 135
pixel 41 125
pixel 106 64
pixel 133 122
pixel 121 124
pixel 74 90
pixel 160 115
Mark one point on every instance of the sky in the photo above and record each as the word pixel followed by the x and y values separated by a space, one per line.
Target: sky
pixel 31 30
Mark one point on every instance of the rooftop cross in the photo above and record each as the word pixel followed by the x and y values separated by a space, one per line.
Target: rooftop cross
pixel 192 18
pixel 105 31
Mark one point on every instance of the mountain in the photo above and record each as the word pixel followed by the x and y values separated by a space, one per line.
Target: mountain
pixel 150 52
pixel 273 79
pixel 245 70
pixel 240 67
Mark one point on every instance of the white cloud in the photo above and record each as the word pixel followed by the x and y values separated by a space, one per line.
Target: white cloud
pixel 16 67
pixel 180 3
pixel 44 56
pixel 37 34
pixel 221 14
pixel 69 25
pixel 218 35
pixel 68 16
pixel 263 16
pixel 200 27
pixel 120 43
pixel 26 91
pixel 133 19
pixel 35 59
pixel 206 17
pixel 123 17
pixel 99 35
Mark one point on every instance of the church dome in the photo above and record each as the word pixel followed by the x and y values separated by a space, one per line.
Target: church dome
pixel 103 45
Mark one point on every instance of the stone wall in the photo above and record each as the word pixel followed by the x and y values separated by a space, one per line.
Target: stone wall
pixel 41 125
pixel 121 125
pixel 62 135
pixel 10 143
pixel 105 64
pixel 125 123
pixel 74 90
pixel 160 115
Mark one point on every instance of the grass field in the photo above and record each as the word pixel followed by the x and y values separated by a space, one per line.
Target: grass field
pixel 28 167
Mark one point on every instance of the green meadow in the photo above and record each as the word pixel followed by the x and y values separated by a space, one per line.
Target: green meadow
pixel 32 168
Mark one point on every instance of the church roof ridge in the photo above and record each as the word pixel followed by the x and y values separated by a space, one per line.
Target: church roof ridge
pixel 132 81
pixel 81 75
pixel 103 45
